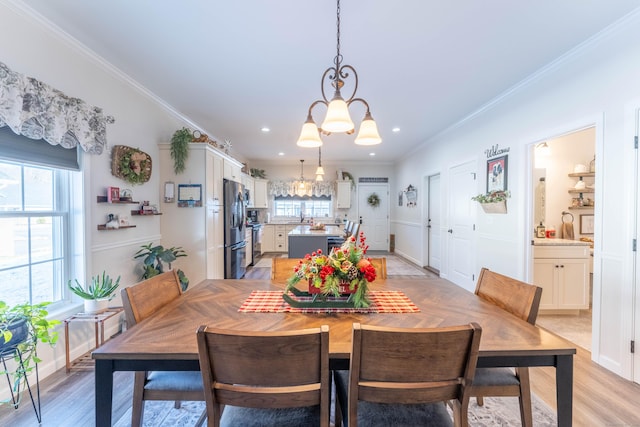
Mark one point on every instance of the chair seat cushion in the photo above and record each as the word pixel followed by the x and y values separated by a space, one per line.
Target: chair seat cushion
pixel 387 414
pixel 259 417
pixel 495 376
pixel 174 380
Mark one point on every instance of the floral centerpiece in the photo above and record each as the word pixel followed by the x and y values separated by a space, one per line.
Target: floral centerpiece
pixel 345 270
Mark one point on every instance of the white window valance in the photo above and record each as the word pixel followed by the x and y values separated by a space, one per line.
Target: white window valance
pixel 312 188
pixel 38 111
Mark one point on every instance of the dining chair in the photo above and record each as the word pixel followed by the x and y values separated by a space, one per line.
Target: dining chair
pixel 277 378
pixel 282 268
pixel 522 300
pixel 402 376
pixel 140 301
pixel 380 264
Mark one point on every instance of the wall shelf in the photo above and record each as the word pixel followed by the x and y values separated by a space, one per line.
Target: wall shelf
pixel 103 199
pixel 137 213
pixel 103 227
pixel 584 190
pixel 582 175
pixel 580 207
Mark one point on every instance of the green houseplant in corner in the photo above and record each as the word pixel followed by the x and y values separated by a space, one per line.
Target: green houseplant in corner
pixel 97 295
pixel 180 148
pixel 154 257
pixel 22 327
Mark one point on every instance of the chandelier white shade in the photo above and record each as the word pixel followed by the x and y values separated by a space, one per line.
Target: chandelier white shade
pixel 337 118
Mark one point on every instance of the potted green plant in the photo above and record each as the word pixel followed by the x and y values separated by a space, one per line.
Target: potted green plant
pixel 98 294
pixel 22 327
pixel 180 148
pixel 154 257
pixel 493 201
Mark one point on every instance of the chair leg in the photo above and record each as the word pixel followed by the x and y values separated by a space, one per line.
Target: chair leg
pixel 177 404
pixel 137 407
pixel 525 397
pixel 480 400
pixel 203 417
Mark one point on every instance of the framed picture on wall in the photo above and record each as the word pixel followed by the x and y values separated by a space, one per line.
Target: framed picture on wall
pixel 497 174
pixel 586 224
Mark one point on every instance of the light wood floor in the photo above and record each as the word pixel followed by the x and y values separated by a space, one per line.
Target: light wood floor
pixel 600 397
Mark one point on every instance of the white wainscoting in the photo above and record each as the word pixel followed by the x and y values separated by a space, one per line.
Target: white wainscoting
pixel 408 240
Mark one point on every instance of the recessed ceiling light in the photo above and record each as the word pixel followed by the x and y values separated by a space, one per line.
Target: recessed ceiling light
pixel 372 154
pixel 281 154
pixel 265 129
pixel 396 129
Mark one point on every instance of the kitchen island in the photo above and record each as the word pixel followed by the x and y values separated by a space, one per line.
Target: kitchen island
pixel 305 240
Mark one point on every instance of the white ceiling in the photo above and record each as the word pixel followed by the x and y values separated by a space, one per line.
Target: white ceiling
pixel 235 66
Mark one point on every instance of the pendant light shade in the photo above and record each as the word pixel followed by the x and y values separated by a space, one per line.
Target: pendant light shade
pixel 337 119
pixel 319 170
pixel 368 134
pixel 319 178
pixel 310 136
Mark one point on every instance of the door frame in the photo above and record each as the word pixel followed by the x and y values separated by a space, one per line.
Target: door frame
pixel 426 210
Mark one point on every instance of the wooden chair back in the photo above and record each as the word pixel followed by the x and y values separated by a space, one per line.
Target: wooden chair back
pixel 282 268
pixel 412 365
pixel 287 369
pixel 380 265
pixel 146 297
pixel 518 298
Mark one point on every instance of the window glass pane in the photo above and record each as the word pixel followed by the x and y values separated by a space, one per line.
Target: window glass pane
pixel 14 248
pixel 46 277
pixel 38 189
pixel 44 244
pixel 10 187
pixel 14 285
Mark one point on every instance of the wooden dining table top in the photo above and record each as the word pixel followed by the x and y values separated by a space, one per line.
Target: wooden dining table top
pixel 171 332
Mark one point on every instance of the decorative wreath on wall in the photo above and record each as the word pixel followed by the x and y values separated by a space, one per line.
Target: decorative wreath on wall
pixel 373 200
pixel 130 164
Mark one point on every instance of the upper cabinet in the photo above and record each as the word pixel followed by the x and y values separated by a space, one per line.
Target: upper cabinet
pixel 343 197
pixel 232 170
pixel 249 185
pixel 259 197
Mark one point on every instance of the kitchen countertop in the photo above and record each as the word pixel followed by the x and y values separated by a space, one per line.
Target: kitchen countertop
pixel 559 242
pixel 305 230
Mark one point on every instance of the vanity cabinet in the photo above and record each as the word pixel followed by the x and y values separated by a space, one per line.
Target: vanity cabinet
pixel 563 274
pixel 343 194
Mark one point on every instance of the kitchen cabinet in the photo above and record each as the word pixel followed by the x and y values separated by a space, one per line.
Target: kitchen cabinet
pixel 198 230
pixel 563 274
pixel 232 170
pixel 268 238
pixel 248 183
pixel 248 236
pixel 260 199
pixel 343 194
pixel 281 238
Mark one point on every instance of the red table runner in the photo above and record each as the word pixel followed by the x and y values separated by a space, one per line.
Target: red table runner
pixel 381 302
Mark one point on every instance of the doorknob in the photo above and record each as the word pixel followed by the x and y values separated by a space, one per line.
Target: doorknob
pixel 450 231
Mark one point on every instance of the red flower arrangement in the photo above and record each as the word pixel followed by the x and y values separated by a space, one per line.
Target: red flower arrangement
pixel 344 270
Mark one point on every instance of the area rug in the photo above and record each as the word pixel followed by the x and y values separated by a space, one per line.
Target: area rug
pixel 263 263
pixel 496 412
pixel 381 302
pixel 396 266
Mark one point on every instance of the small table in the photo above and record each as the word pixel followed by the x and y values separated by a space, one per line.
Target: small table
pixel 98 320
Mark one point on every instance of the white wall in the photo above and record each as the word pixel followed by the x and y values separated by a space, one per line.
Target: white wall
pixel 31 49
pixel 596 84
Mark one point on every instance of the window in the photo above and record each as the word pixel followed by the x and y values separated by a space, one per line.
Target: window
pixel 36 231
pixel 309 206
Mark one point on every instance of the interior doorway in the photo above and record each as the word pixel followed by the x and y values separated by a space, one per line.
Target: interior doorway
pixel 432 243
pixel 564 194
pixel 373 214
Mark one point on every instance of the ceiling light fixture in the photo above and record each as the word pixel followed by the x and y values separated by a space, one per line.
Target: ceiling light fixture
pixel 302 187
pixel 319 170
pixel 338 119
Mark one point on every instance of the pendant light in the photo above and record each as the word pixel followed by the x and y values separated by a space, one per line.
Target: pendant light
pixel 319 170
pixel 338 119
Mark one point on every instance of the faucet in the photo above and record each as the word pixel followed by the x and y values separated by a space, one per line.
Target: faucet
pixel 301 216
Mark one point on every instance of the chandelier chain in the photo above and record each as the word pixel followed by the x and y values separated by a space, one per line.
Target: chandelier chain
pixel 338 58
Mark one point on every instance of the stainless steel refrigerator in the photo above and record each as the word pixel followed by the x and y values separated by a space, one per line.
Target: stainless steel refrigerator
pixel 235 245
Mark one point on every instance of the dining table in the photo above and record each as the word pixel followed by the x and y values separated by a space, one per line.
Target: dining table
pixel 167 339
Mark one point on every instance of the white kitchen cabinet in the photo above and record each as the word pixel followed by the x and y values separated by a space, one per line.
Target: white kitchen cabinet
pixel 248 236
pixel 563 274
pixel 343 194
pixel 268 243
pixel 232 170
pixel 260 199
pixel 198 230
pixel 281 238
pixel 248 183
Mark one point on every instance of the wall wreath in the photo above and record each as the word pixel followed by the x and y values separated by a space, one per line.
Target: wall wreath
pixel 373 200
pixel 130 164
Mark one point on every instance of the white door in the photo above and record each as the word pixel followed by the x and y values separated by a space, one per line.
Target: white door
pixel 374 220
pixel 433 223
pixel 461 224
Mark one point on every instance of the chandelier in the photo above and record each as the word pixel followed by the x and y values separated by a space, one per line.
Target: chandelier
pixel 319 170
pixel 337 119
pixel 302 187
